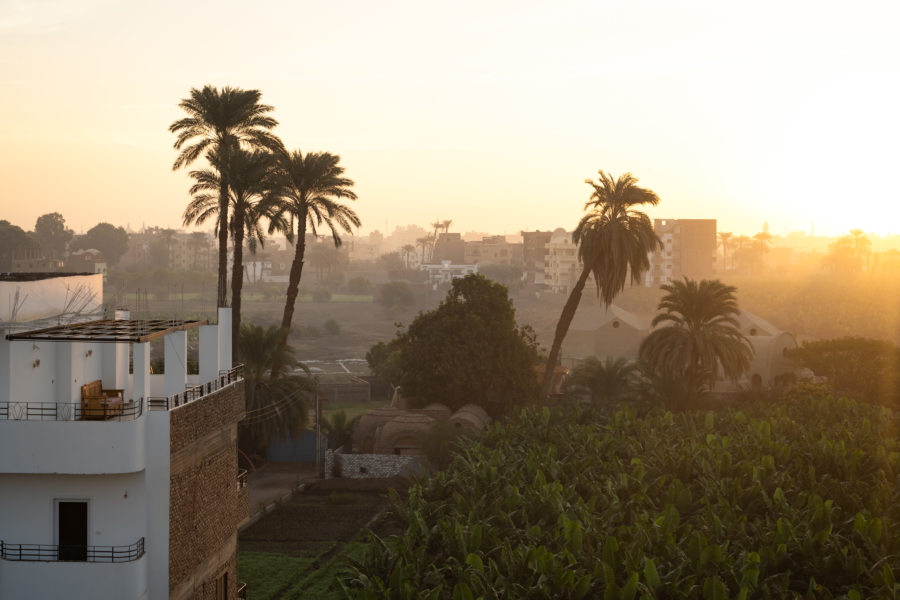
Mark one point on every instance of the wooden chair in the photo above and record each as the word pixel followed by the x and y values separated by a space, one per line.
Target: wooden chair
pixel 100 404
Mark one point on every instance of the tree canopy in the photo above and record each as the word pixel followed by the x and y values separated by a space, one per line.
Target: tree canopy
pixel 51 232
pixel 112 241
pixel 469 350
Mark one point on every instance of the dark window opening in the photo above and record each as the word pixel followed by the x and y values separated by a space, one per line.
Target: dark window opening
pixel 72 521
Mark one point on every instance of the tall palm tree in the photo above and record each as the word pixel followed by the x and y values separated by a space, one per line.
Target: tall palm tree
pixel 309 187
pixel 702 335
pixel 251 179
pixel 445 225
pixel 725 240
pixel 222 120
pixel 612 379
pixel 276 405
pixel 614 241
pixel 407 251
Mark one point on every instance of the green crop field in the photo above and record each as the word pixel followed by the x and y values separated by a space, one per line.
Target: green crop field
pixel 793 499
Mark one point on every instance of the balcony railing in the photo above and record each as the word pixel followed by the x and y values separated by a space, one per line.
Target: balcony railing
pixel 242 479
pixel 225 378
pixel 242 591
pixel 46 552
pixel 69 411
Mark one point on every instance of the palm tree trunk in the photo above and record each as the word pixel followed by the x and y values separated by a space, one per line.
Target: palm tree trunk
pixel 562 327
pixel 293 288
pixel 221 292
pixel 237 282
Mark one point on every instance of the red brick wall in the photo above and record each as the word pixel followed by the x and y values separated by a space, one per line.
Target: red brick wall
pixel 205 505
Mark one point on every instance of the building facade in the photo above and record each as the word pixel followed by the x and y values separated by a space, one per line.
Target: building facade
pixel 116 482
pixel 689 250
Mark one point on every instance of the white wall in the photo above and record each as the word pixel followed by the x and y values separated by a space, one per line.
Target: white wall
pixel 27 507
pixel 73 447
pixel 74 580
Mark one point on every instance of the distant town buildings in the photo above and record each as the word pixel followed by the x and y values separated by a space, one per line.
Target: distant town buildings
pixel 689 250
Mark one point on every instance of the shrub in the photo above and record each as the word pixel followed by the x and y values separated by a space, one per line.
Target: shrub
pixel 321 294
pixel 331 327
pixel 359 286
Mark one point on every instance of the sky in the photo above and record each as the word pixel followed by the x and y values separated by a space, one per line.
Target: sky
pixel 489 113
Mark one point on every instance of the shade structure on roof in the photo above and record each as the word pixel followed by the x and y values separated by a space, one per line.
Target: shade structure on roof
pixel 108 330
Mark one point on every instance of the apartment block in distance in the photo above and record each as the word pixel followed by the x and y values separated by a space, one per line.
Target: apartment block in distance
pixel 115 483
pixel 689 250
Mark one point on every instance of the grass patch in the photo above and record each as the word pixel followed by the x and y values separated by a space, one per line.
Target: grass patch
pixel 268 573
pixel 322 583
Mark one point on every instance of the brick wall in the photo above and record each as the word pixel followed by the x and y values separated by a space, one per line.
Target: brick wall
pixel 205 504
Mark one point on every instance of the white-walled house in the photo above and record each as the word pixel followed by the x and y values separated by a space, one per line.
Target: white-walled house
pixel 115 482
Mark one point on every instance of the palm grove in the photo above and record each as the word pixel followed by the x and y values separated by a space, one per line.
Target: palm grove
pixel 253 185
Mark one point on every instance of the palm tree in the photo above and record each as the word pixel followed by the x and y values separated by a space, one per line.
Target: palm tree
pixel 701 337
pixel 437 225
pixel 445 225
pixel 222 121
pixel 251 179
pixel 276 405
pixel 725 239
pixel 613 379
pixel 309 187
pixel 424 242
pixel 614 241
pixel 407 251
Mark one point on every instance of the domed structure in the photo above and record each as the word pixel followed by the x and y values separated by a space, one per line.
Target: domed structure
pixel 403 434
pixel 471 415
pixel 366 431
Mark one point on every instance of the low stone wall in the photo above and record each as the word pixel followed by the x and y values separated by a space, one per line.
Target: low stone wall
pixel 371 466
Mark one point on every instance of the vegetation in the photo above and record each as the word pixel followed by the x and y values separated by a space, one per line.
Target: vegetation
pixel 613 380
pixel 51 232
pixel 614 242
pixel 222 121
pixel 863 368
pixel 250 181
pixel 110 240
pixel 700 337
pixel 309 188
pixel 277 405
pixel 797 499
pixel 395 295
pixel 468 350
pixel 13 241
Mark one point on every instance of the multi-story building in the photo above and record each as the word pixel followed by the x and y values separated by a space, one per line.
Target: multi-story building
pixel 534 255
pixel 115 482
pixel 561 266
pixel 449 246
pixel 689 250
pixel 493 250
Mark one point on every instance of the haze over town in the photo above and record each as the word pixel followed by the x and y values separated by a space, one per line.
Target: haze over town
pixel 493 113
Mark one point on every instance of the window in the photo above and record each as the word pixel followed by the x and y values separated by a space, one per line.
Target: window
pixel 72 530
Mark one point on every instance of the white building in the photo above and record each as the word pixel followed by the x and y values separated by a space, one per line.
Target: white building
pixel 446 272
pixel 114 482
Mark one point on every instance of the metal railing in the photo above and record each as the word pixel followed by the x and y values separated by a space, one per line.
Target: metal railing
pixel 224 379
pixel 69 411
pixel 47 552
pixel 242 591
pixel 242 479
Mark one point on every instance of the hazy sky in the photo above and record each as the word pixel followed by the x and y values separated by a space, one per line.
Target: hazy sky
pixel 488 113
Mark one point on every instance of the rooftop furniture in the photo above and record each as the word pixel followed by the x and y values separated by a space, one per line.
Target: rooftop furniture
pixel 100 404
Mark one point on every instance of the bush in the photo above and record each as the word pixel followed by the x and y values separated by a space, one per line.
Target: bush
pixel 395 295
pixel 321 294
pixel 796 499
pixel 359 286
pixel 331 327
